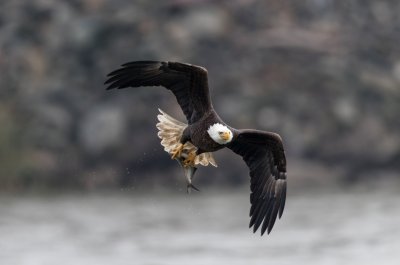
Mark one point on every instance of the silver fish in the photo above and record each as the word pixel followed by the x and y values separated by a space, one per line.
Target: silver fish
pixel 189 173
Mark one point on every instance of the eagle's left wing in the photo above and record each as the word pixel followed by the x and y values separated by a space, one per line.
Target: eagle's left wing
pixel 264 155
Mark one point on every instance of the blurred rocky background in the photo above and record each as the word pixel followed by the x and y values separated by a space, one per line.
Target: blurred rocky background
pixel 324 74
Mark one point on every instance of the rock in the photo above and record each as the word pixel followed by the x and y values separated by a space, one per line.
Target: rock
pixel 101 128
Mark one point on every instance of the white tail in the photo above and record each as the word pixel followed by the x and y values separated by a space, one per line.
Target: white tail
pixel 170 132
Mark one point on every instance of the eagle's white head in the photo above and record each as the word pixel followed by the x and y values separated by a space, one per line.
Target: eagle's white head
pixel 220 133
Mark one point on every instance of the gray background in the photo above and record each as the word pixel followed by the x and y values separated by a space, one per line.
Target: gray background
pixel 81 164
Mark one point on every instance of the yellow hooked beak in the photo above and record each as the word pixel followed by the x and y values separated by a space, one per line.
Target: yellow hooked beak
pixel 225 136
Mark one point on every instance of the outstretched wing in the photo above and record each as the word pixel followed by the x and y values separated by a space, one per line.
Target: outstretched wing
pixel 264 155
pixel 187 82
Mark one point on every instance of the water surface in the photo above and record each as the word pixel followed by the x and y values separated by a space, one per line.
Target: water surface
pixel 202 228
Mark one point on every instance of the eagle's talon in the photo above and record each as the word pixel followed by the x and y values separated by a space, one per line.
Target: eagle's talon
pixel 189 161
pixel 177 151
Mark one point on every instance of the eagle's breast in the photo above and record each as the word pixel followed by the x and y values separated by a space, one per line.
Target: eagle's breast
pixel 202 140
pixel 206 133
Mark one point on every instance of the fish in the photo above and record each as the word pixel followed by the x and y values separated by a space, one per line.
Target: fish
pixel 189 172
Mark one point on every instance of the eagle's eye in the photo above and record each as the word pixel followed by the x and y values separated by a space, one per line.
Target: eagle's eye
pixel 220 133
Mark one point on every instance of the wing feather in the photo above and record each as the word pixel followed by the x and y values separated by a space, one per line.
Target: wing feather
pixel 264 155
pixel 189 83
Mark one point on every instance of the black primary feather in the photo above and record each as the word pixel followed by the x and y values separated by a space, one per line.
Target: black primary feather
pixel 264 155
pixel 189 83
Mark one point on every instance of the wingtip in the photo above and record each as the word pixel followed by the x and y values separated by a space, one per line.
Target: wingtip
pixel 282 200
pixel 280 215
pixel 280 212
pixel 255 228
pixel 262 230
pixel 109 87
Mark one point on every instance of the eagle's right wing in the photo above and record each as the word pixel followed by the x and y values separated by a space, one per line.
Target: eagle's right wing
pixel 187 82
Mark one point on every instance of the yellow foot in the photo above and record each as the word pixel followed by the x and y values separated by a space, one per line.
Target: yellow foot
pixel 177 151
pixel 189 161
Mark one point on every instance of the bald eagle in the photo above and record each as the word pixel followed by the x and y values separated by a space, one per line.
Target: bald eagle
pixel 205 132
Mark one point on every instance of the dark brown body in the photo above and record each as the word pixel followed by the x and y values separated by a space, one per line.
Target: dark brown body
pixel 197 134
